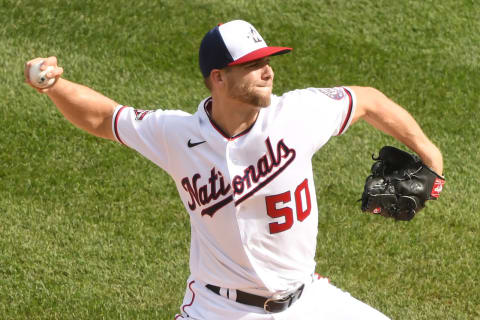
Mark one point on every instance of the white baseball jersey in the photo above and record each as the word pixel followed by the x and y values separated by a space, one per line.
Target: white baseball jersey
pixel 251 198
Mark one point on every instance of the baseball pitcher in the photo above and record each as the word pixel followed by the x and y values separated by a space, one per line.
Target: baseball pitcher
pixel 242 167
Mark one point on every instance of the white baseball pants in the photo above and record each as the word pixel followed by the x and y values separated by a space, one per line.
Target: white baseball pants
pixel 320 300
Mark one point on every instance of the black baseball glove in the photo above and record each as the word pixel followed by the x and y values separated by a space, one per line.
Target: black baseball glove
pixel 399 185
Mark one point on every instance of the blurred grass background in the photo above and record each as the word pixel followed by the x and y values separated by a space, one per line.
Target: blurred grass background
pixel 91 230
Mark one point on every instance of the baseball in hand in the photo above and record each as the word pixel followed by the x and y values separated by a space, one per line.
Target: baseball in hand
pixel 38 77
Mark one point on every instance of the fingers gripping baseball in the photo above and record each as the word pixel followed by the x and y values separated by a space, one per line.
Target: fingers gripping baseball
pixel 42 73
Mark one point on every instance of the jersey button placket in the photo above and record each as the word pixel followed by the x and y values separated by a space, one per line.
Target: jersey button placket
pixel 234 168
pixel 233 164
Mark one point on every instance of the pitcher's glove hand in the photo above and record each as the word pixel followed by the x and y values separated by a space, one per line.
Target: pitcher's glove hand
pixel 399 185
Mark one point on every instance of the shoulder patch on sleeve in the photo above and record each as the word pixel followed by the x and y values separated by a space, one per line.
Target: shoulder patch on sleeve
pixel 336 93
pixel 141 114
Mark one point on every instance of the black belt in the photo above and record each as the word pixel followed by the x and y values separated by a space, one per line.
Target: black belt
pixel 268 304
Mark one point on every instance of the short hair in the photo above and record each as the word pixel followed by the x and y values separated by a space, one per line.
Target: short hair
pixel 208 83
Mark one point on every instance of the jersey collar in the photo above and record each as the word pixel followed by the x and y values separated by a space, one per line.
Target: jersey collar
pixel 205 108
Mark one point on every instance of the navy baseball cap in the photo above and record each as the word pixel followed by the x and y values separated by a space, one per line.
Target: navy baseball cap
pixel 232 43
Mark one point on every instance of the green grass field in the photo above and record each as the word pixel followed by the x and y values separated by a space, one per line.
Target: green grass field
pixel 91 230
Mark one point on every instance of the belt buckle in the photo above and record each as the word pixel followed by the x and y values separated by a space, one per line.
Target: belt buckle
pixel 276 298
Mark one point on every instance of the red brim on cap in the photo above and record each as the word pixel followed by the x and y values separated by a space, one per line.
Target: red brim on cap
pixel 261 53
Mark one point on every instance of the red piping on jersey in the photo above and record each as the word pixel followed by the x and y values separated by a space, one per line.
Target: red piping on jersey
pixel 207 105
pixel 193 298
pixel 115 126
pixel 319 277
pixel 350 107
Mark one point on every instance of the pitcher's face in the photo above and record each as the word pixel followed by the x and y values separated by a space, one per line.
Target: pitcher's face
pixel 251 82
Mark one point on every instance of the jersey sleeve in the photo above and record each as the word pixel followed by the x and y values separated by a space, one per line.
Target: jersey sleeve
pixel 143 131
pixel 347 109
pixel 322 112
